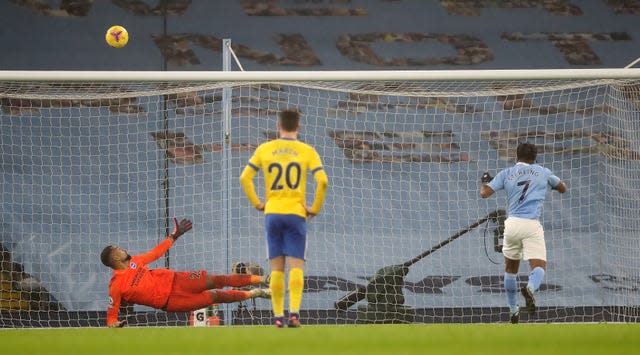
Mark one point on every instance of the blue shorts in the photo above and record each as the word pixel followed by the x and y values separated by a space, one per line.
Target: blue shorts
pixel 286 235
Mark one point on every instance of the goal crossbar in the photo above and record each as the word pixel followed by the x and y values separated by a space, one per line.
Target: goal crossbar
pixel 346 75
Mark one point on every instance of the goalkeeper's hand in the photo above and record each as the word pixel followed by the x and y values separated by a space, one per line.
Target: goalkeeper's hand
pixel 486 178
pixel 181 228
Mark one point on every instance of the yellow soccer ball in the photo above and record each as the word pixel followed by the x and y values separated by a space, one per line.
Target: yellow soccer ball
pixel 117 36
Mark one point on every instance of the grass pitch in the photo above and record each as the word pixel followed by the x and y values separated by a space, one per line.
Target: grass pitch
pixel 348 339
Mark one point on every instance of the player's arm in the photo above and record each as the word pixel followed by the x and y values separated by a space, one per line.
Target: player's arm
pixel 485 189
pixel 179 228
pixel 322 182
pixel 246 180
pixel 557 184
pixel 561 187
pixel 114 308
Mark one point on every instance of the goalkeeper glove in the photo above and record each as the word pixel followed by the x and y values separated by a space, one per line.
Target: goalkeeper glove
pixel 486 177
pixel 181 228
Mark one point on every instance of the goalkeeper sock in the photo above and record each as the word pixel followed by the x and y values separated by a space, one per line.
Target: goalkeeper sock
pixel 296 286
pixel 277 293
pixel 511 287
pixel 535 278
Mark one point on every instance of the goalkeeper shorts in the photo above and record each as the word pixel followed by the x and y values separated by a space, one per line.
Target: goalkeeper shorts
pixel 189 292
pixel 523 239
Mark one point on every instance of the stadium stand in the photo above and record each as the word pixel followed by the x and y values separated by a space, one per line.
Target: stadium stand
pixel 322 35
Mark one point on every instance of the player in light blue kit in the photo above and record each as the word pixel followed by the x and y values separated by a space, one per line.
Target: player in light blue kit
pixel 526 185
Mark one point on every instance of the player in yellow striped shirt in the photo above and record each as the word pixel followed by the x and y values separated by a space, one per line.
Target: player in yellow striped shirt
pixel 285 163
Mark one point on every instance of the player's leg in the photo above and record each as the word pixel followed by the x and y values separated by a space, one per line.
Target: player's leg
pixel 187 302
pixel 276 285
pixel 535 280
pixel 188 292
pixel 511 288
pixel 230 296
pixel 232 280
pixel 296 287
pixel 275 251
pixel 200 280
pixel 535 251
pixel 512 251
pixel 538 270
pixel 295 245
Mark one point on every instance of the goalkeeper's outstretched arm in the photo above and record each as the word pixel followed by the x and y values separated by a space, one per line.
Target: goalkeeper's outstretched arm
pixel 179 229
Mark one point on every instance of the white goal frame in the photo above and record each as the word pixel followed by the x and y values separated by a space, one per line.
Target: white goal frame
pixel 346 75
pixel 601 75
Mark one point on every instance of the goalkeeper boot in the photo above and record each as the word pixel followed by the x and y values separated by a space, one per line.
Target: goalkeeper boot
pixel 530 302
pixel 514 317
pixel 266 279
pixel 261 293
pixel 294 320
pixel 278 322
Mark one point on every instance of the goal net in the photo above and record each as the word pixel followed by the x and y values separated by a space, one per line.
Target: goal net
pixel 403 236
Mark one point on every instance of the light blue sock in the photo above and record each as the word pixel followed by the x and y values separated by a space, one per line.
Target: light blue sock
pixel 535 278
pixel 511 287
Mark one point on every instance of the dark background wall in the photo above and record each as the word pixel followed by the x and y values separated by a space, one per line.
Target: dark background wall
pixel 321 35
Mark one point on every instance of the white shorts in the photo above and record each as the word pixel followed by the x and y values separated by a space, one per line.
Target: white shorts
pixel 523 239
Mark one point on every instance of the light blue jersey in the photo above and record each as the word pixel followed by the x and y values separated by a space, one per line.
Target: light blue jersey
pixel 526 186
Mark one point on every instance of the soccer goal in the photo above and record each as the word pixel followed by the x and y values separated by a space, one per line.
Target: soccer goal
pixel 91 159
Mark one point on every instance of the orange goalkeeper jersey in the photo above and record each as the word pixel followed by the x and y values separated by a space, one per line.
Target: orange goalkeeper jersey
pixel 137 284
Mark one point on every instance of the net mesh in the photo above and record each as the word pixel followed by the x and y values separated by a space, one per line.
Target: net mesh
pixel 403 236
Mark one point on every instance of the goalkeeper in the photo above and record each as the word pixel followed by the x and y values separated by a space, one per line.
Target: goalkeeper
pixel 526 186
pixel 171 291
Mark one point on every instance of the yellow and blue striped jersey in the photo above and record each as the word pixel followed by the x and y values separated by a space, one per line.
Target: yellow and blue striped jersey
pixel 285 164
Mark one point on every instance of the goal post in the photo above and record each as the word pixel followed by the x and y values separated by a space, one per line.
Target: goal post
pixel 91 159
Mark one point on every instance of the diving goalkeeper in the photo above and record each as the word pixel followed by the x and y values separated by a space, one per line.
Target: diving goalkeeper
pixel 171 291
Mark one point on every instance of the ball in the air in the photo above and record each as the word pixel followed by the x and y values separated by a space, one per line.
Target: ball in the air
pixel 117 36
